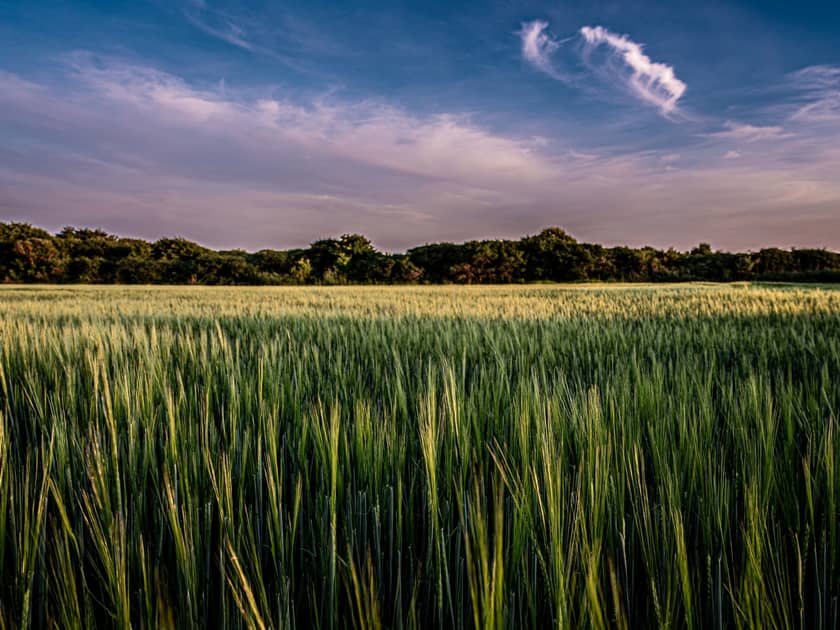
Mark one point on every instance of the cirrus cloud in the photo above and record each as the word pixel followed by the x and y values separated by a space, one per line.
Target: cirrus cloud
pixel 538 47
pixel 741 132
pixel 819 89
pixel 653 82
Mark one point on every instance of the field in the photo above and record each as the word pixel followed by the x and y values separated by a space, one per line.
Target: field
pixel 558 456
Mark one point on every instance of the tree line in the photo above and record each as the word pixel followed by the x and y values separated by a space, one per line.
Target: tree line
pixel 32 255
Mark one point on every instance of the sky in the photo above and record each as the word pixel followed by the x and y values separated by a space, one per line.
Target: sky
pixel 273 124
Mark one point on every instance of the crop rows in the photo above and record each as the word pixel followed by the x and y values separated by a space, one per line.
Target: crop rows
pixel 565 457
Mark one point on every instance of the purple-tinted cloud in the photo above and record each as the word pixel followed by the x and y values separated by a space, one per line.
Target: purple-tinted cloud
pixel 741 132
pixel 139 151
pixel 819 90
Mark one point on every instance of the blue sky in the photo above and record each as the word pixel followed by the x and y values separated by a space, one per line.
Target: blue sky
pixel 272 124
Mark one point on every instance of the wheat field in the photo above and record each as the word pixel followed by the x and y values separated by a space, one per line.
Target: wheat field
pixel 581 456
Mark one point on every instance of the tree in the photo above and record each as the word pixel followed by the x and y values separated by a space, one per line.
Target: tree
pixel 36 260
pixel 336 261
pixel 177 260
pixel 30 254
pixel 628 263
pixel 11 232
pixel 773 260
pixel 404 271
pixel 301 270
pixel 436 260
pixel 554 255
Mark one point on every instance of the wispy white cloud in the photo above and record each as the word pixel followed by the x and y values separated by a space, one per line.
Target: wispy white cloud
pixel 819 88
pixel 731 155
pixel 538 46
pixel 653 82
pixel 290 41
pixel 224 29
pixel 819 77
pixel 741 132
pixel 442 146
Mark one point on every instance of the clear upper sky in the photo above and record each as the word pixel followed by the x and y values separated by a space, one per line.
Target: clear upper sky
pixel 272 124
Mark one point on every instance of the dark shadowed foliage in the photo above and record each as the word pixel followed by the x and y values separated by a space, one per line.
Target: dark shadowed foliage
pixel 29 254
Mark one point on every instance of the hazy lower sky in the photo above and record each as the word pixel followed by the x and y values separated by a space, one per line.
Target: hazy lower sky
pixel 271 124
